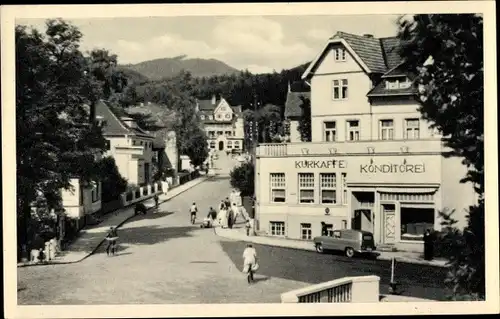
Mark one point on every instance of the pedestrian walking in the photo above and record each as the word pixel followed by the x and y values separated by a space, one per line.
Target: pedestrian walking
pixel 227 202
pixel 236 211
pixel 247 226
pixel 250 262
pixel 428 245
pixel 111 238
pixel 230 218
pixel 222 205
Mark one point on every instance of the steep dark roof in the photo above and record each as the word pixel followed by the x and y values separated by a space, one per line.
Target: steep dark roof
pixel 390 47
pixel 396 72
pixel 206 105
pixel 293 103
pixel 378 54
pixel 368 49
pixel 114 125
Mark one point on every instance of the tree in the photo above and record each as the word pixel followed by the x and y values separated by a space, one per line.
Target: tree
pixel 445 52
pixel 242 178
pixel 54 139
pixel 304 126
pixel 113 184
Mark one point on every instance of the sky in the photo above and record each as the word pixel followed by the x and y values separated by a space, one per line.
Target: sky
pixel 257 43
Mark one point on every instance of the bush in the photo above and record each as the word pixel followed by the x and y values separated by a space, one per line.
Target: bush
pixel 242 178
pixel 113 184
pixel 465 251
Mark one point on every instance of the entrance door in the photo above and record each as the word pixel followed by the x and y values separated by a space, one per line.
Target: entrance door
pixel 389 223
pixel 221 146
pixel 362 220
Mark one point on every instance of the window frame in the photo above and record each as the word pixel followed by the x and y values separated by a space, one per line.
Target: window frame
pixel 275 185
pixel 328 188
pixel 342 96
pixel 413 129
pixel 340 54
pixel 330 130
pixel 308 228
pixel 308 188
pixel 273 227
pixel 351 130
pixel 382 128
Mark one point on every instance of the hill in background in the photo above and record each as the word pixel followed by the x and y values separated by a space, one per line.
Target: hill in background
pixel 168 67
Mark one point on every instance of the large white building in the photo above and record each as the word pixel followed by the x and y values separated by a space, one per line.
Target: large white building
pixel 223 124
pixel 373 163
pixel 129 145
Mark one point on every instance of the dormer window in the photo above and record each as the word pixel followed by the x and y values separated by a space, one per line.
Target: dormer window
pixel 395 83
pixel 340 54
pixel 210 117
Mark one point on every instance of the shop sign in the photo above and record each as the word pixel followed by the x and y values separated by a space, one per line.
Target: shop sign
pixel 392 168
pixel 321 164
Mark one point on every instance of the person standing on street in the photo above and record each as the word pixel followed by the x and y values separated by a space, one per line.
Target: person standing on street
pixel 230 218
pixel 227 202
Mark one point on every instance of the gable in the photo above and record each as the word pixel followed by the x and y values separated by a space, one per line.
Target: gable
pixel 328 63
pixel 223 112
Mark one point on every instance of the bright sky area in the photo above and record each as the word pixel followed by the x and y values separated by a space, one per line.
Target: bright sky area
pixel 257 43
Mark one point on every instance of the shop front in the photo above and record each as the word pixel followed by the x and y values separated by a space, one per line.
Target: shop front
pixel 395 196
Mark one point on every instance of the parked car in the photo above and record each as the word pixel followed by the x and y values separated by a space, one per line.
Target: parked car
pixel 350 241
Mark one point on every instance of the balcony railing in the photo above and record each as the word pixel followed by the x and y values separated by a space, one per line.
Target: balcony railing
pixel 352 148
pixel 348 289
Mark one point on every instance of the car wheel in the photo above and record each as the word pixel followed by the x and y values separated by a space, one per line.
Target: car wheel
pixel 349 252
pixel 319 248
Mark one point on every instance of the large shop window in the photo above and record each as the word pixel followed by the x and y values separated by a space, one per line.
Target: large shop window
pixel 305 231
pixel 306 187
pixel 277 228
pixel 330 131
pixel 328 188
pixel 415 221
pixel 387 129
pixel 278 187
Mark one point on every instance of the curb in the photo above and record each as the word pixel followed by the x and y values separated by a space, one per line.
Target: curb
pixel 406 261
pixel 104 239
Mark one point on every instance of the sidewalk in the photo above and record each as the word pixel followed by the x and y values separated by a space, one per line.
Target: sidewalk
pixel 238 233
pixel 90 238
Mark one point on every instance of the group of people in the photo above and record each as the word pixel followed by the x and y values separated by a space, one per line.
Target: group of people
pixel 226 217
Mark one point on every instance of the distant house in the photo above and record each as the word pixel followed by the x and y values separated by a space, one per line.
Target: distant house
pixel 129 145
pixel 165 152
pixel 223 123
pixel 293 110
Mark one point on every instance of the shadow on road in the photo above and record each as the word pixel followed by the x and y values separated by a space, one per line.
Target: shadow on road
pixel 146 235
pixel 151 214
pixel 259 279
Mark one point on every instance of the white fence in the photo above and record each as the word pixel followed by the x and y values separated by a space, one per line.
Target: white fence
pixel 133 196
pixel 347 289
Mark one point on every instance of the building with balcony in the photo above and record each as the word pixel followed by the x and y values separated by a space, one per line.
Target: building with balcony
pixel 129 145
pixel 223 123
pixel 373 163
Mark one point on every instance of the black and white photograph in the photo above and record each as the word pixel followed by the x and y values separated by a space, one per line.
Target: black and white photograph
pixel 250 159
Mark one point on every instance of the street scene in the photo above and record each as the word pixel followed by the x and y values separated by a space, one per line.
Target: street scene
pixel 166 161
pixel 163 258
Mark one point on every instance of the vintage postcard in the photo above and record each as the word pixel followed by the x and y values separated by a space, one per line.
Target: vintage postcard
pixel 250 159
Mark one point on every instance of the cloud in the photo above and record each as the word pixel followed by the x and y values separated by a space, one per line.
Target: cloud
pixel 253 43
pixel 319 34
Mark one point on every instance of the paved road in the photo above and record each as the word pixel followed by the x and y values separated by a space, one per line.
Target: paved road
pixel 306 266
pixel 162 259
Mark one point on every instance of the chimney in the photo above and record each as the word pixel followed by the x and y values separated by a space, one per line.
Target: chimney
pixel 368 35
pixel 214 99
pixel 129 122
pixel 289 87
